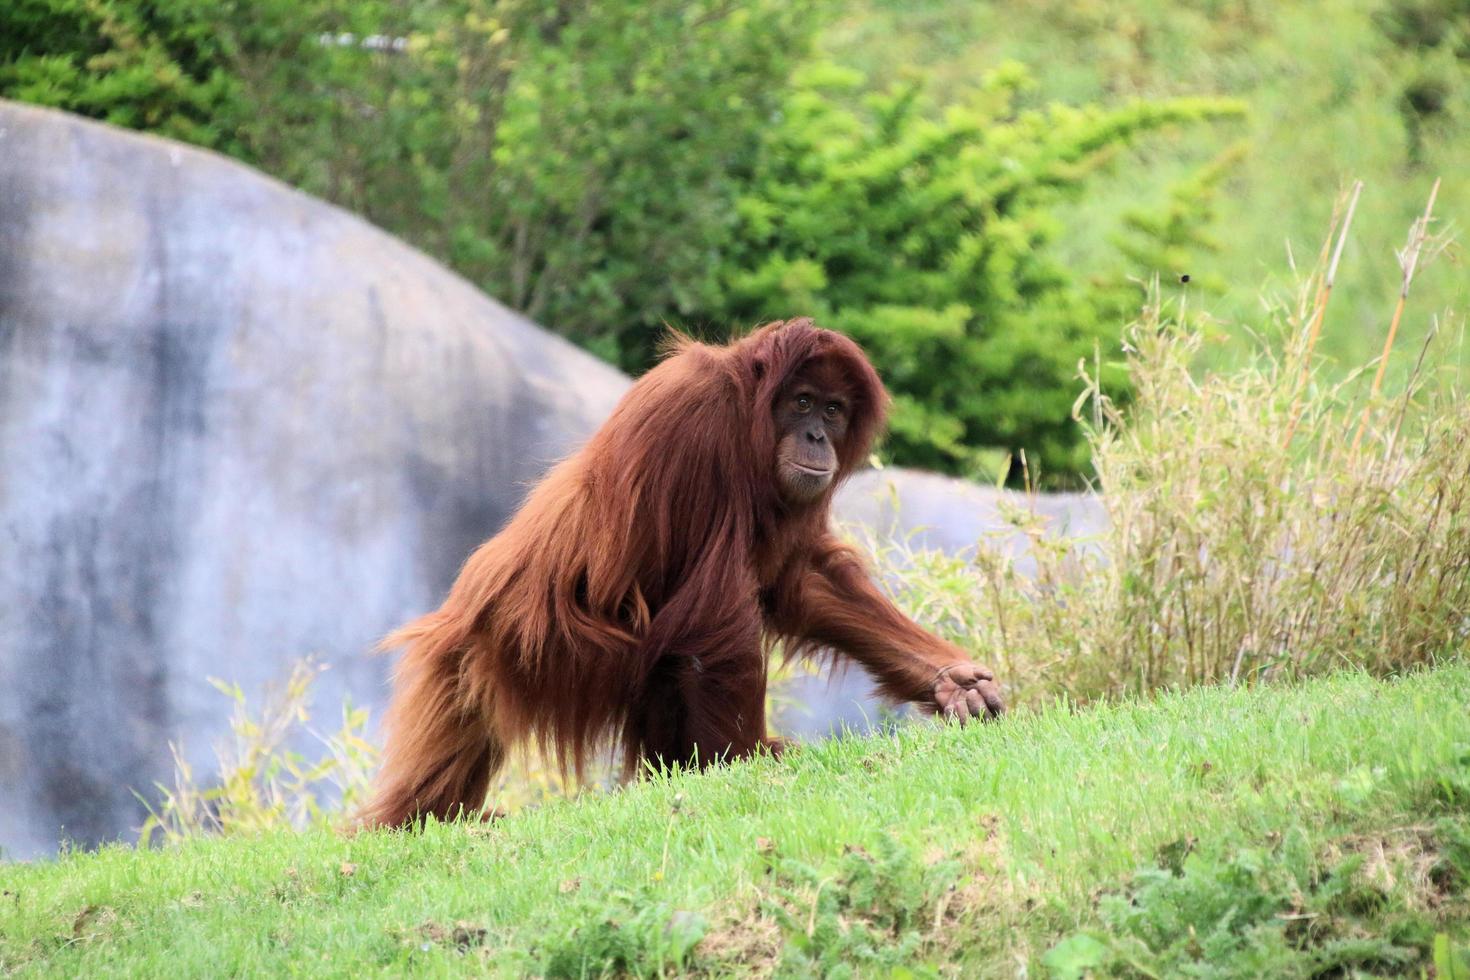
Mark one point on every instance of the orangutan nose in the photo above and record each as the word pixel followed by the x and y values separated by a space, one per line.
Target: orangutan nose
pixel 816 435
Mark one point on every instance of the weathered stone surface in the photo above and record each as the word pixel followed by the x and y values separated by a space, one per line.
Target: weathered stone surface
pixel 237 426
pixel 936 512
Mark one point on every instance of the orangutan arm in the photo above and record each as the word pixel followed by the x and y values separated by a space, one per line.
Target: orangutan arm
pixel 830 601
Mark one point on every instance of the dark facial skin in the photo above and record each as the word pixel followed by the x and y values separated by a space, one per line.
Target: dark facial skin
pixel 811 416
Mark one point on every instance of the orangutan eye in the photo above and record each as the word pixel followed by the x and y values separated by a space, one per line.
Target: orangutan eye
pixel 832 409
pixel 803 403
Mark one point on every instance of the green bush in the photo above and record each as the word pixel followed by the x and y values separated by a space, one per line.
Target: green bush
pixel 923 233
pixel 1338 90
pixel 153 68
pixel 580 162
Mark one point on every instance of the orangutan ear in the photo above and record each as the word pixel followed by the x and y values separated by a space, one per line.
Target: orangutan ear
pixel 758 365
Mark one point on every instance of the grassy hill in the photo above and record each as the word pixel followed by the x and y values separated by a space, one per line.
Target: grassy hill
pixel 1288 830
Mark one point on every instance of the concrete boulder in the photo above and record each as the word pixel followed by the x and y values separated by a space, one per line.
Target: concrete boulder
pixel 930 511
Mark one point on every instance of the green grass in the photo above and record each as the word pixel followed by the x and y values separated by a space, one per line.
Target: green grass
pixel 1286 829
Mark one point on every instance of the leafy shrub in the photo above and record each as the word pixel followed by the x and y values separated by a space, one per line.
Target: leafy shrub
pixel 1328 95
pixel 1264 523
pixel 923 234
pixel 579 161
pixel 148 68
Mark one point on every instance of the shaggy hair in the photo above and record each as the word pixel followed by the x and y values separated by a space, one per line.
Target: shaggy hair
pixel 634 596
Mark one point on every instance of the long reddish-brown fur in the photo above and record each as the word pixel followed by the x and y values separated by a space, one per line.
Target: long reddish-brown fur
pixel 633 597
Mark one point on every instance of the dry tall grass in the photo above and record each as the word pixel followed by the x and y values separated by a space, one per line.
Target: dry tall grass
pixel 1256 532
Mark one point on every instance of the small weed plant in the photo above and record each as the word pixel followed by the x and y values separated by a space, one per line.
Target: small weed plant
pixel 263 782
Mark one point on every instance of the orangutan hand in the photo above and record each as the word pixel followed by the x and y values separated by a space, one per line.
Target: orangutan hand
pixel 965 690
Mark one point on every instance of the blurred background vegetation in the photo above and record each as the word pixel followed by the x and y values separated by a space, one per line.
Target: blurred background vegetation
pixel 979 191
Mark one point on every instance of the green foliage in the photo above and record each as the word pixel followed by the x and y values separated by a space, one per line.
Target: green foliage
pixel 580 161
pixel 157 67
pixel 1434 37
pixel 1329 84
pixel 922 232
pixel 1170 241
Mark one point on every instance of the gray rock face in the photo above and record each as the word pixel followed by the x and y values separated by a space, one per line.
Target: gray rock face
pixel 237 426
pixel 929 511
